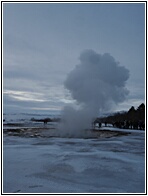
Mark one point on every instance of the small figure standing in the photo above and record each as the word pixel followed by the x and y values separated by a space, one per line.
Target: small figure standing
pixel 105 124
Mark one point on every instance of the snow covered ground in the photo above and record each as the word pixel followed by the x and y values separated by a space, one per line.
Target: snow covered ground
pixel 71 165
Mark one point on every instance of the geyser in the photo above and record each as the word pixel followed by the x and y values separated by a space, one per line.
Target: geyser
pixel 97 83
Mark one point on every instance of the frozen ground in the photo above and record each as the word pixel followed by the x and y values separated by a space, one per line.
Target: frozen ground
pixel 67 165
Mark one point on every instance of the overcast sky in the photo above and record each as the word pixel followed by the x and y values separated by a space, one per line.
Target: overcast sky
pixel 42 44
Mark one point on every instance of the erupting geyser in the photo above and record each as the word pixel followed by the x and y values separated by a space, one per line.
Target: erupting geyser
pixel 97 83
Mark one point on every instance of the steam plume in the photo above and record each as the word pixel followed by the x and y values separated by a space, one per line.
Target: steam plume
pixel 97 83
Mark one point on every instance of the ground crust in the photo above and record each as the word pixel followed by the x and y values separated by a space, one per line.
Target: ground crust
pixel 52 132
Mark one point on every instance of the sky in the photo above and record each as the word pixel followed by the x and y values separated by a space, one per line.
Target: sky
pixel 42 43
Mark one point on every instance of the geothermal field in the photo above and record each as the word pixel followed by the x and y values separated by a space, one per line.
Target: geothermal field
pixel 71 156
pixel 38 159
pixel 73 104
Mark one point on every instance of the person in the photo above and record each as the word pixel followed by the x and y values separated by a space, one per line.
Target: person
pixel 45 121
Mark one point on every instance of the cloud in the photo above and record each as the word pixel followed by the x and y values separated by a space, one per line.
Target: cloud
pixel 38 49
pixel 51 99
pixel 25 96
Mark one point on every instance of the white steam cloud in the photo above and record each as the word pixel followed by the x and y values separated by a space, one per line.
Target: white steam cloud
pixel 97 83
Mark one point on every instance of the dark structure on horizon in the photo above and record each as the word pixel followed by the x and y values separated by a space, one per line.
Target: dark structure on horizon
pixel 132 119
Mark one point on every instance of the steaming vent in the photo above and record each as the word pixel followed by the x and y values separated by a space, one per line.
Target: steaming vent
pixel 97 84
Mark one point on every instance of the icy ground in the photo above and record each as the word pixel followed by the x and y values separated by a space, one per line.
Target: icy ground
pixel 64 165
